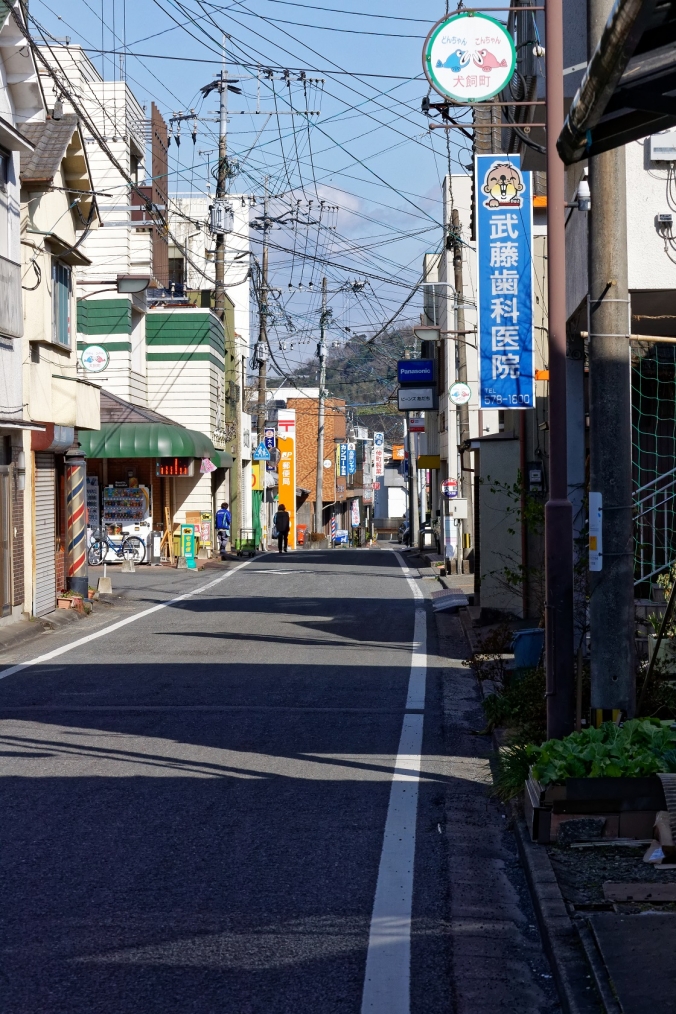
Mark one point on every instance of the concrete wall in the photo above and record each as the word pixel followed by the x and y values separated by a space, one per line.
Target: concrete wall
pixel 498 462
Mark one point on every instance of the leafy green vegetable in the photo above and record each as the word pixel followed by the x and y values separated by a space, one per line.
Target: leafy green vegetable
pixel 638 748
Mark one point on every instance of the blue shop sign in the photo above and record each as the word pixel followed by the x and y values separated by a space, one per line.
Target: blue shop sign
pixel 415 371
pixel 505 272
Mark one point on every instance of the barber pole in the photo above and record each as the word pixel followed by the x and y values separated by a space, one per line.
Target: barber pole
pixel 76 515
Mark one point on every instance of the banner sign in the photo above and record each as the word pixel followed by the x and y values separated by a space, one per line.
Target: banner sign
pixel 505 272
pixel 286 468
pixel 354 513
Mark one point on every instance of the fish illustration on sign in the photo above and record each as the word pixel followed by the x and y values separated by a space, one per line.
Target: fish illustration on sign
pixel 456 61
pixel 487 61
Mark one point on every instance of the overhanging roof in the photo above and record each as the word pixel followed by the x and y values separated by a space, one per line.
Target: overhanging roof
pixel 150 440
pixel 629 88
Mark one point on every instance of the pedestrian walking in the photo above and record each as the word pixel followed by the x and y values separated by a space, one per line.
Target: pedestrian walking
pixel 281 522
pixel 223 525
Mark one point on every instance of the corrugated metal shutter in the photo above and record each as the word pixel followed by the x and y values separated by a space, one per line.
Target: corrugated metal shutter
pixel 44 585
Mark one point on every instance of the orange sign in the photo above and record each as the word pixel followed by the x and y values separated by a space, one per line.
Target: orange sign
pixel 286 467
pixel 397 452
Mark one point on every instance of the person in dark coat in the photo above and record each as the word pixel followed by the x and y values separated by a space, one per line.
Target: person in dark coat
pixel 281 522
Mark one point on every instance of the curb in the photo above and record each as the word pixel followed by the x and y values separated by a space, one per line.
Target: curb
pixel 34 629
pixel 559 936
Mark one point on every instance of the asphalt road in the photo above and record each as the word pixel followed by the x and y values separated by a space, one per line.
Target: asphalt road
pixel 194 807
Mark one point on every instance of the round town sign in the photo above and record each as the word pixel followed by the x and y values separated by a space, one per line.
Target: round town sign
pixel 469 57
pixel 459 393
pixel 95 358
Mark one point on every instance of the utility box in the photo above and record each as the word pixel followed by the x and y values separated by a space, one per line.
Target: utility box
pixel 663 147
pixel 457 508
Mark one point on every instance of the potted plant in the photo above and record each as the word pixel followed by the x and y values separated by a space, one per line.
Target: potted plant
pixel 608 773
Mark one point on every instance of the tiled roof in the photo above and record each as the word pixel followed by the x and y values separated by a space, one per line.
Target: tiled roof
pixel 51 139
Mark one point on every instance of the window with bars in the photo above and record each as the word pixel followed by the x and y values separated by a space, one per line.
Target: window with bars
pixel 61 291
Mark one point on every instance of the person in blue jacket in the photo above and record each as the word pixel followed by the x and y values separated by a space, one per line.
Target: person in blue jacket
pixel 223 524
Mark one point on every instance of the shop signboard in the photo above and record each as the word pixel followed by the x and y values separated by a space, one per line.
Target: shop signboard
pixel 414 399
pixel 415 371
pixel 286 467
pixel 505 275
pixel 188 544
pixel 398 452
pixel 354 513
pixel 378 454
pixel 416 424
pixel 351 459
pixel 93 509
pixel 269 437
pixel 342 459
pixel 206 527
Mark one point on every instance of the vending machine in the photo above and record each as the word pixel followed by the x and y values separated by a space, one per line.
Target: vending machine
pixel 127 510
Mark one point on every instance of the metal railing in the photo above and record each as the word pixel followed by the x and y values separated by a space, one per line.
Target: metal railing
pixel 654 527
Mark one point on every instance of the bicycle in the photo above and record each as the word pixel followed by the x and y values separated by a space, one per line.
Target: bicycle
pixel 131 548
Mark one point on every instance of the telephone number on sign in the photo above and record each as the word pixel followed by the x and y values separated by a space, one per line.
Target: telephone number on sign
pixel 511 399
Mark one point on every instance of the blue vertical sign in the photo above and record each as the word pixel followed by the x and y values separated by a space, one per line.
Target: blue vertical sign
pixel 351 459
pixel 505 270
pixel 343 459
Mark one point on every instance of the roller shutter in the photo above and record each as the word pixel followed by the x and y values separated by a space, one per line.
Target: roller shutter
pixel 44 584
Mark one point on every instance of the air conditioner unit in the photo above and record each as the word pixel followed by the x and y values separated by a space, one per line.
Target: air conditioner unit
pixel 663 147
pixel 222 217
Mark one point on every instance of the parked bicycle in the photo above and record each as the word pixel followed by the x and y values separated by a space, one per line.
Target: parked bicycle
pixel 130 548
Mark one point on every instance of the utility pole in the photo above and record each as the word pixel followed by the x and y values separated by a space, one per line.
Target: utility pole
pixel 463 410
pixel 558 509
pixel 262 351
pixel 321 352
pixel 413 511
pixel 611 604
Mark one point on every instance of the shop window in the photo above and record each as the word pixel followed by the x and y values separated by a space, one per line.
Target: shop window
pixel 61 292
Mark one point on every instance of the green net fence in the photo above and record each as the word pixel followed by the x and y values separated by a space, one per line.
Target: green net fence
pixel 653 382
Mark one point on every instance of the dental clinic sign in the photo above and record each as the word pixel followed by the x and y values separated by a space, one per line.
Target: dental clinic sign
pixel 505 271
pixel 469 57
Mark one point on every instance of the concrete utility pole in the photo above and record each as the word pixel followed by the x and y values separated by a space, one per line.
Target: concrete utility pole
pixel 321 352
pixel 558 510
pixel 466 473
pixel 232 373
pixel 413 510
pixel 262 351
pixel 611 605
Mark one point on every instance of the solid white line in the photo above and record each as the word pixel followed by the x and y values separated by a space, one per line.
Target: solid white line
pixel 415 700
pixel 409 575
pixel 387 984
pixel 120 623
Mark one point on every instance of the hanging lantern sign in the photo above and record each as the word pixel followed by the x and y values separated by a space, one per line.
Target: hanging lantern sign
pixel 469 57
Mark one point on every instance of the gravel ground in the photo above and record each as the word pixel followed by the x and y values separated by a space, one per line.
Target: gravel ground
pixel 582 872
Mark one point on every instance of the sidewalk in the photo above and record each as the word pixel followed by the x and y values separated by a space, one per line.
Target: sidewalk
pixel 147 586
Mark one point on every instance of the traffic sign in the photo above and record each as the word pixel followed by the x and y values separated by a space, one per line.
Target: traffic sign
pixel 449 489
pixel 261 453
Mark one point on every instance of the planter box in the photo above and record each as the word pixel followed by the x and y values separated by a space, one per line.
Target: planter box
pixel 627 805
pixel 63 603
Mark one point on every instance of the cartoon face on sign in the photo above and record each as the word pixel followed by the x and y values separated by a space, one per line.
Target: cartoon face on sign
pixel 503 184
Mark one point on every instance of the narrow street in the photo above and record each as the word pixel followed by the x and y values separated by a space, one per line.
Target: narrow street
pixel 195 807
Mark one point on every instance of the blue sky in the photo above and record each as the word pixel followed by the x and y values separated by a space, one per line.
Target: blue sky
pixel 369 155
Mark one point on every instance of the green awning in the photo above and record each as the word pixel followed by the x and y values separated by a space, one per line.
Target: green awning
pixel 150 440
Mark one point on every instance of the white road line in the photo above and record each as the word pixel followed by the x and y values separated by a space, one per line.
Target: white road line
pixel 387 983
pixel 120 623
pixel 415 700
